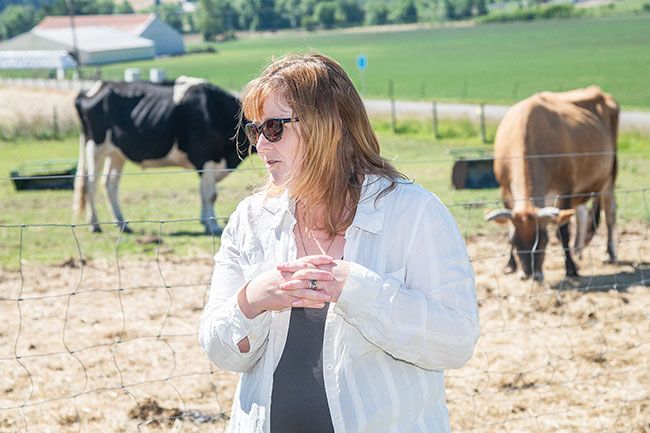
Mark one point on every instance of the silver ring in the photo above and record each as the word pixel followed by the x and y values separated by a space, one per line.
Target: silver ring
pixel 313 284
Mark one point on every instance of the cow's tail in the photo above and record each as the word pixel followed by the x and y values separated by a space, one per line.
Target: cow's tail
pixel 79 196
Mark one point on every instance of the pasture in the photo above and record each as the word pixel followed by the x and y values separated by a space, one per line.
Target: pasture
pixel 497 63
pixel 99 332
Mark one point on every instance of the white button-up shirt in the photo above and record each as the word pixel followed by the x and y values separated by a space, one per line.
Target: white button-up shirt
pixel 407 311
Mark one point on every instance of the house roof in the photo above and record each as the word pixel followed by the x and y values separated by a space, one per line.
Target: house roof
pixel 29 41
pixel 94 39
pixel 36 59
pixel 131 23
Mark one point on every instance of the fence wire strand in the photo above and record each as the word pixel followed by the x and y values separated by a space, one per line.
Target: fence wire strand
pixel 156 365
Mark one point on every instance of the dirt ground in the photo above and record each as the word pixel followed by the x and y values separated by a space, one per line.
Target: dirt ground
pixel 111 346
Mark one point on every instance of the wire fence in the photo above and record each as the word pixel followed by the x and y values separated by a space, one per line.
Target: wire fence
pixel 109 343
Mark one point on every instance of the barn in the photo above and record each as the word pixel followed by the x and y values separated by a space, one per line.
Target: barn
pixel 100 39
pixel 167 40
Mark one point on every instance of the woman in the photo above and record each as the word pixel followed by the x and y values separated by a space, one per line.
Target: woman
pixel 340 291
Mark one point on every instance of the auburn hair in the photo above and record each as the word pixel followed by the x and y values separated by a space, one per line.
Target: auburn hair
pixel 338 144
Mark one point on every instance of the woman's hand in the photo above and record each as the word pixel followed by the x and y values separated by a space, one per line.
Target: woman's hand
pixel 330 277
pixel 268 291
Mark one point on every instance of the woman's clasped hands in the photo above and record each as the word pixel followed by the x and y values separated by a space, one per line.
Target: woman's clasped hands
pixel 308 282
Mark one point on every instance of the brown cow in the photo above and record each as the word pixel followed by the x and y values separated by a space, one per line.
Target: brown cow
pixel 553 152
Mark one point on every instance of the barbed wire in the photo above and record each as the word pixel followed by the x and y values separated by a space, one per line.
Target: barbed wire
pixel 516 371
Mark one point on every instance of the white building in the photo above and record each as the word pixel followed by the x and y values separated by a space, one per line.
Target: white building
pixel 166 39
pixel 95 45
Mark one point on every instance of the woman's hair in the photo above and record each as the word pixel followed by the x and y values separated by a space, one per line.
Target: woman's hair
pixel 338 144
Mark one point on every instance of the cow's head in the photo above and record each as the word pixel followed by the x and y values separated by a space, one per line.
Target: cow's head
pixel 528 233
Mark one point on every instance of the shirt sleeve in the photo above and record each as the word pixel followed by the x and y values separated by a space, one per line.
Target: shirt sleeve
pixel 426 314
pixel 223 324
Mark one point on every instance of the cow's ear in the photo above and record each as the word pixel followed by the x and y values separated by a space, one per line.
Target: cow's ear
pixel 499 216
pixel 564 216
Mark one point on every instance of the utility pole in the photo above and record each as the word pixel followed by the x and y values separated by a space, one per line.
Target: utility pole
pixel 75 50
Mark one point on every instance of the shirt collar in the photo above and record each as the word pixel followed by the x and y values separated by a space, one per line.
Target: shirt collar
pixel 369 215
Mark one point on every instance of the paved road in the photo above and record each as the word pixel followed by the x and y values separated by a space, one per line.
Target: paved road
pixel 630 120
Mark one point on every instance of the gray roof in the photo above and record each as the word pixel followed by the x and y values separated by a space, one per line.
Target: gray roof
pixel 30 41
pixel 36 59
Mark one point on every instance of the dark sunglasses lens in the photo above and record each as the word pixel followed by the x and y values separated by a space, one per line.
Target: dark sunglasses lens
pixel 272 129
pixel 252 133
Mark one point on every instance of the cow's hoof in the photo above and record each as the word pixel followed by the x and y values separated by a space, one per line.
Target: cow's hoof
pixel 571 271
pixel 523 276
pixel 572 274
pixel 96 229
pixel 213 231
pixel 538 276
pixel 509 270
pixel 126 229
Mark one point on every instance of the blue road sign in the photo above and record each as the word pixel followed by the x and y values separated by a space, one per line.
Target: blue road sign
pixel 362 62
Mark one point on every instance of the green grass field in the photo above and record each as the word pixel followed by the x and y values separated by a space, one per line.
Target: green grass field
pixel 499 63
pixel 156 197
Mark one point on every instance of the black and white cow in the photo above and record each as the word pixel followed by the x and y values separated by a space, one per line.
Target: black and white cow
pixel 188 123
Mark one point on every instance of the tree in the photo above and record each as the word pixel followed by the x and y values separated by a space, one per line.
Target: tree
pixel 258 15
pixel 124 8
pixel 16 19
pixel 450 10
pixel 292 11
pixel 172 14
pixel 404 11
pixel 81 7
pixel 210 19
pixel 325 14
pixel 377 12
pixel 349 12
pixel 481 7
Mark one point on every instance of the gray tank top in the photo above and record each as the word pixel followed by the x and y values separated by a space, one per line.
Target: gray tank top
pixel 298 400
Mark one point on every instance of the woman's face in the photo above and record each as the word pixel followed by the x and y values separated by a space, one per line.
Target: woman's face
pixel 281 159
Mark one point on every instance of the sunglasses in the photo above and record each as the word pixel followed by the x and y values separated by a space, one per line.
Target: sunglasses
pixel 272 129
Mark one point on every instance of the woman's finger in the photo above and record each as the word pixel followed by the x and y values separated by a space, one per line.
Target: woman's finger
pixel 309 294
pixel 302 284
pixel 305 262
pixel 313 274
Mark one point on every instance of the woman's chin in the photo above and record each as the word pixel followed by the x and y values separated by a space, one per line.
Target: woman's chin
pixel 280 181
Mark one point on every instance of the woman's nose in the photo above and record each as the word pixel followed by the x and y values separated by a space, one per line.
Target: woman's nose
pixel 263 143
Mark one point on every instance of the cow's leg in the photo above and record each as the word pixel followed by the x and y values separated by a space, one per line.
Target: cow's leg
pixel 511 267
pixel 94 155
pixel 212 173
pixel 594 219
pixel 609 205
pixel 113 171
pixel 564 236
pixel 582 224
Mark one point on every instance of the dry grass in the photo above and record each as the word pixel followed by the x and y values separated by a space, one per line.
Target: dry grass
pixel 566 356
pixel 33 112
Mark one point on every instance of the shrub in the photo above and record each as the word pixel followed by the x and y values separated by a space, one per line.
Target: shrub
pixel 528 14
